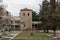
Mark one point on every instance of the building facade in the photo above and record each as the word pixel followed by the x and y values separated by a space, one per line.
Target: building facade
pixel 6 18
pixel 26 18
pixel 15 23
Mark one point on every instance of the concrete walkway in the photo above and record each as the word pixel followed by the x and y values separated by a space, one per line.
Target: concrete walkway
pixel 57 34
pixel 51 33
pixel 14 35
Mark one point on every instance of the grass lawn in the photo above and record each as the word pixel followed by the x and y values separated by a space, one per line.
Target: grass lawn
pixel 35 35
pixel 5 38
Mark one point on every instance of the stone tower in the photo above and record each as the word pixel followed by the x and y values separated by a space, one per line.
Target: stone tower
pixel 26 18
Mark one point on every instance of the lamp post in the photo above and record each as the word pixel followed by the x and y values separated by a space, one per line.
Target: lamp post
pixel 14 25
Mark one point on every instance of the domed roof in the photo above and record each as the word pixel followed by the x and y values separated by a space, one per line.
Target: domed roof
pixel 26 9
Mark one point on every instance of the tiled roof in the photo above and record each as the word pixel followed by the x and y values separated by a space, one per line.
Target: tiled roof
pixel 26 9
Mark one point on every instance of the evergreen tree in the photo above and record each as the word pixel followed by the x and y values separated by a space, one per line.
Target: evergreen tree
pixel 53 6
pixel 44 15
pixel 34 16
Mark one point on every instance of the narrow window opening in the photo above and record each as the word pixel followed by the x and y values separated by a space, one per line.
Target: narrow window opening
pixel 24 25
pixel 28 14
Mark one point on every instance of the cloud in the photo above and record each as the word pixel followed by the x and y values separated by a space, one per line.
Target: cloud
pixel 15 5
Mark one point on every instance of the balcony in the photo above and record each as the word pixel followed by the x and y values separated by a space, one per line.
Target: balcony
pixel 1 14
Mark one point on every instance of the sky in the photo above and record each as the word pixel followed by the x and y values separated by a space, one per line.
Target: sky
pixel 14 6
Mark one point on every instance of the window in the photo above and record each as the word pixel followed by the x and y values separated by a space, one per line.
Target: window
pixel 24 25
pixel 0 17
pixel 1 8
pixel 6 20
pixel 11 22
pixel 20 13
pixel 28 14
pixel 7 13
pixel 17 21
pixel 23 14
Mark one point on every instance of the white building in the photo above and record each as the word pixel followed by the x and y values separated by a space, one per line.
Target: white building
pixel 15 23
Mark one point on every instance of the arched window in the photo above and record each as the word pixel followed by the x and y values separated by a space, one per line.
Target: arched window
pixel 28 14
pixel 24 25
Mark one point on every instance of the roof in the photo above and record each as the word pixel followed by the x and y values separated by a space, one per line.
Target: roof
pixel 26 9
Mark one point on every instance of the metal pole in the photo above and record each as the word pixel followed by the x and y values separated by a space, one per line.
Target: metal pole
pixel 14 28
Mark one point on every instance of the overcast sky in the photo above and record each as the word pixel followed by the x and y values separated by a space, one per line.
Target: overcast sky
pixel 14 6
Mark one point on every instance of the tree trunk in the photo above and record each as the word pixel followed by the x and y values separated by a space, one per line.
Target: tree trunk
pixel 44 31
pixel 54 33
pixel 47 31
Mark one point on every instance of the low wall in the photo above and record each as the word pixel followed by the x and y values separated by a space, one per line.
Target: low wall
pixel 37 39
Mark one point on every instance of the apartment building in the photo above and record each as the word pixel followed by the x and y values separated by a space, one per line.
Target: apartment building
pixel 8 21
pixel 15 23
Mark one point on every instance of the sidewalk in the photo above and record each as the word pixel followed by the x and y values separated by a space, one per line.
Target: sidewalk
pixel 57 34
pixel 51 33
pixel 14 35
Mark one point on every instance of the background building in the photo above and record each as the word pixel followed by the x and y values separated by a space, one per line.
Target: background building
pixel 15 23
pixel 1 13
pixel 6 20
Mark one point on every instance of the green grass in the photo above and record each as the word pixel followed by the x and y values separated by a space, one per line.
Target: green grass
pixel 40 35
pixel 35 35
pixel 5 38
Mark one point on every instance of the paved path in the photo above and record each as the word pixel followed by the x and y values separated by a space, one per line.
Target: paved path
pixel 14 35
pixel 57 34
